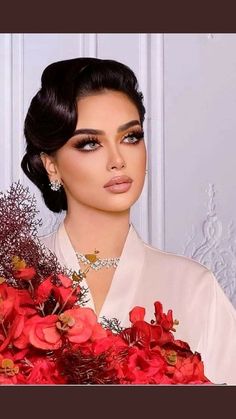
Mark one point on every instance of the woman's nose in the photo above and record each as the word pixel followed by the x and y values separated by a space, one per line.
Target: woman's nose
pixel 116 161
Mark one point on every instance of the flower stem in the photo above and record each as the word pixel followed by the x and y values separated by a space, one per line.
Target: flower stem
pixel 4 329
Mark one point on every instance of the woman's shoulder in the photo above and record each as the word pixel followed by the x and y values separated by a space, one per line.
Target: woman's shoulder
pixel 174 262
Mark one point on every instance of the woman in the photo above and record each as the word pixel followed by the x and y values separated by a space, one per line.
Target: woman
pixel 86 153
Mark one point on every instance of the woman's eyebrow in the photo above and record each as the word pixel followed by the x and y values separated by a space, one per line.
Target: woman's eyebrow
pixel 128 125
pixel 99 132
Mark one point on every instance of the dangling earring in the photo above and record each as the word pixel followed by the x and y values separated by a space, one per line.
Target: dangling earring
pixel 55 185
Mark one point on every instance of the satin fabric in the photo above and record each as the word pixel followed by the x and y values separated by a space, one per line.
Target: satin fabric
pixel 207 319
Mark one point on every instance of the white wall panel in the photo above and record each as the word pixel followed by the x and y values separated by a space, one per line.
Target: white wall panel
pixel 17 87
pixel 6 110
pixel 200 149
pixel 156 163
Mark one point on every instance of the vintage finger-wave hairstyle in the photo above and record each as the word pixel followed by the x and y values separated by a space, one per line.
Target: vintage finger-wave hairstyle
pixel 52 115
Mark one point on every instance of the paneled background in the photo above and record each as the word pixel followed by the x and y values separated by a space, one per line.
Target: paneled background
pixel 188 204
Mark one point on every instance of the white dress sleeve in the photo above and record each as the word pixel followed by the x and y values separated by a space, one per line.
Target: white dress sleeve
pixel 218 343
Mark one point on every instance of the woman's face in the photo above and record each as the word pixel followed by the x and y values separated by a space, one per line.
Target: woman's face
pixel 107 143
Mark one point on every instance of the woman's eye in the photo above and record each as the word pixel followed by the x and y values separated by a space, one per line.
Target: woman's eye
pixel 91 145
pixel 133 138
pixel 87 145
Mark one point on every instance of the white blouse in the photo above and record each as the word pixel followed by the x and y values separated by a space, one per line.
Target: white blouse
pixel 207 319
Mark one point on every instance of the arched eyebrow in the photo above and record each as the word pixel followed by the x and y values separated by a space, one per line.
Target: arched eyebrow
pixel 99 132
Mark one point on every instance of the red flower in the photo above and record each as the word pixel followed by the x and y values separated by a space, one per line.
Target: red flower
pixel 189 370
pixel 43 371
pixel 64 293
pixel 165 320
pixel 137 314
pixel 145 334
pixel 9 370
pixel 15 307
pixel 79 324
pixel 41 332
pixel 9 300
pixel 144 367
pixel 43 291
pixel 109 342
pixel 27 274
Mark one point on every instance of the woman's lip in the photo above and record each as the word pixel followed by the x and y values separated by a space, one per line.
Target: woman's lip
pixel 118 180
pixel 119 187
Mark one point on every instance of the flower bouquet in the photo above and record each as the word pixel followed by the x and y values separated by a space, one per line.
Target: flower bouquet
pixel 49 336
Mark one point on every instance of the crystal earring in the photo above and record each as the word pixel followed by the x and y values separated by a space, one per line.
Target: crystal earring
pixel 55 185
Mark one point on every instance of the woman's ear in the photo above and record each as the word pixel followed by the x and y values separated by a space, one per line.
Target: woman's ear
pixel 50 166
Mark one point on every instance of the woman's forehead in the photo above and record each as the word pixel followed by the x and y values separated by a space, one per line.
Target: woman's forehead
pixel 105 109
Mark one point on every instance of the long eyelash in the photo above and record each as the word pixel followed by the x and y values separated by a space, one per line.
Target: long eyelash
pixel 136 133
pixel 81 143
pixel 84 141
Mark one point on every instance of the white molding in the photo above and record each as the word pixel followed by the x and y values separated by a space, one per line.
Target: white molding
pixel 17 108
pixel 214 245
pixel 90 45
pixel 81 43
pixel 156 209
pixel 6 101
pixel 141 207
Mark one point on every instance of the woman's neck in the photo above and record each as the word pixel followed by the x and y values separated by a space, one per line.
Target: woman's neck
pixel 91 229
